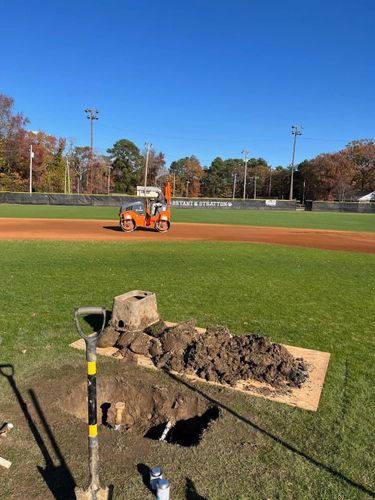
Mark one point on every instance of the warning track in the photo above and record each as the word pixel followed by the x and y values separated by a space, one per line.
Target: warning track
pixel 76 229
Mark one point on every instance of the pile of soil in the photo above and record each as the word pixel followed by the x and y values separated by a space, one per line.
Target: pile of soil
pixel 216 355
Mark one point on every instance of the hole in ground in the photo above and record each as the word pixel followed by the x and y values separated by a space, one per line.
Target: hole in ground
pixel 186 432
pixel 105 407
pixel 147 409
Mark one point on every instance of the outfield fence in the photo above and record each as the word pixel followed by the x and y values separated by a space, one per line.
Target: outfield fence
pixel 183 203
pixel 344 206
pixel 118 200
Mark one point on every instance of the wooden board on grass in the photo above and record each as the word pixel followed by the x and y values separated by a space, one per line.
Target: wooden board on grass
pixel 306 397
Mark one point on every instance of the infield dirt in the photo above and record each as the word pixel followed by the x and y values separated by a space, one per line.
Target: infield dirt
pixel 68 229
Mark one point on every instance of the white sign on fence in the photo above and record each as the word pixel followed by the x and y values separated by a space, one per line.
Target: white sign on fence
pixel 271 203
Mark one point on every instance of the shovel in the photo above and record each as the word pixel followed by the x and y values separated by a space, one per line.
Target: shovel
pixel 94 492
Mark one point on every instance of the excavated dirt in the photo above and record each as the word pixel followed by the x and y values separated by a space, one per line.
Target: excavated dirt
pixel 216 355
pixel 147 409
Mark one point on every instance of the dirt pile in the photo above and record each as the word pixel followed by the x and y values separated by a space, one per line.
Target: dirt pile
pixel 215 355
pixel 218 356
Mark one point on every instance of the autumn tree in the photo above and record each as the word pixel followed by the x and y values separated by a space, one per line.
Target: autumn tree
pixel 48 164
pixel 362 154
pixel 220 177
pixel 12 128
pixel 328 176
pixel 187 174
pixel 280 182
pixel 259 168
pixel 127 163
pixel 100 174
pixel 156 165
pixel 177 172
pixel 218 180
pixel 80 159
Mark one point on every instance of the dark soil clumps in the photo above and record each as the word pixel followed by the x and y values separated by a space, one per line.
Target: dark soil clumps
pixel 217 356
pixel 156 329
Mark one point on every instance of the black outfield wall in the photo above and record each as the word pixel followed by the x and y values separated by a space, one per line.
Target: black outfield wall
pixel 185 203
pixel 118 200
pixel 349 207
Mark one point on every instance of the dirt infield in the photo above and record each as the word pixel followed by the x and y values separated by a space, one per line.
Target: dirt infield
pixel 69 229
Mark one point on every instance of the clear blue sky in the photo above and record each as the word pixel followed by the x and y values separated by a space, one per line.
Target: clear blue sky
pixel 203 77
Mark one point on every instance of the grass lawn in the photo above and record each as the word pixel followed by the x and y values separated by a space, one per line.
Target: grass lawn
pixel 259 449
pixel 312 220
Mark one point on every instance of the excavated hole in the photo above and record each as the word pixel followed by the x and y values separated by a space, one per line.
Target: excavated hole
pixel 147 410
pixel 186 432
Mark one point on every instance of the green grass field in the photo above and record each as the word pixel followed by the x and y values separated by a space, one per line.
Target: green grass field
pixel 311 298
pixel 312 220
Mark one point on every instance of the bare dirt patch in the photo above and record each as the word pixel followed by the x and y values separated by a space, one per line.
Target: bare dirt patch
pixel 64 229
pixel 147 409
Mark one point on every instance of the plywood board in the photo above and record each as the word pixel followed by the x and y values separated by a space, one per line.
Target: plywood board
pixel 5 463
pixel 306 397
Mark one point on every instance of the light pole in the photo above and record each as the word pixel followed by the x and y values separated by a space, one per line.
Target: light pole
pixel 296 130
pixel 148 147
pixel 234 185
pixel 270 184
pixel 67 176
pixel 31 169
pixel 91 114
pixel 255 186
pixel 304 192
pixel 187 188
pixel 109 179
pixel 245 152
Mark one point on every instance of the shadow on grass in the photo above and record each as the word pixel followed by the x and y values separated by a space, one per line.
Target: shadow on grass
pixel 191 492
pixel 144 471
pixel 326 468
pixel 57 477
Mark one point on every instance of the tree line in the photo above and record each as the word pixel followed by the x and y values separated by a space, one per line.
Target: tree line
pixel 61 166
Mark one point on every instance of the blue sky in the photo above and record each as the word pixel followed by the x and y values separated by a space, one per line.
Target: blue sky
pixel 203 77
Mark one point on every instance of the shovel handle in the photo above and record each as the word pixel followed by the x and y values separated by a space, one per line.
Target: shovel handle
pixel 84 311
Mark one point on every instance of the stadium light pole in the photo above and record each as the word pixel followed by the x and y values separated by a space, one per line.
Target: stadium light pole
pixel 245 152
pixel 255 186
pixel 187 188
pixel 296 130
pixel 91 114
pixel 270 184
pixel 31 169
pixel 109 179
pixel 234 185
pixel 148 147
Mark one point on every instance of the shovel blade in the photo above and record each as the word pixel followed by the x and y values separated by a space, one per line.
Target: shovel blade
pixel 100 494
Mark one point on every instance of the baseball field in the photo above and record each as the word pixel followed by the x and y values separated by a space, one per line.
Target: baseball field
pixel 303 279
